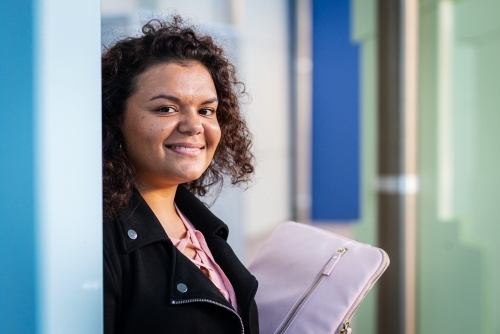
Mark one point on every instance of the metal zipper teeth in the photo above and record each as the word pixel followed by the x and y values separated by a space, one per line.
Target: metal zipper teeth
pixel 197 300
pixel 289 319
pixel 347 323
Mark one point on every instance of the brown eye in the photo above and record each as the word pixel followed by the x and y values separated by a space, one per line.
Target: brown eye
pixel 165 110
pixel 206 112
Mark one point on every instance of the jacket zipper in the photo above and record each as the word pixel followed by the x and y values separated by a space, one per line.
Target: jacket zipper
pixel 202 300
pixel 346 325
pixel 325 272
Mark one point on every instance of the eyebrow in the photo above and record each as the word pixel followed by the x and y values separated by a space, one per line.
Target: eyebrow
pixel 177 100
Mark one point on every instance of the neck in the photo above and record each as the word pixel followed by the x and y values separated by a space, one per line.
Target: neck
pixel 161 201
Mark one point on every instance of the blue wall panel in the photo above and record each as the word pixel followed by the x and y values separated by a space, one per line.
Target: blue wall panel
pixel 50 202
pixel 335 124
pixel 17 229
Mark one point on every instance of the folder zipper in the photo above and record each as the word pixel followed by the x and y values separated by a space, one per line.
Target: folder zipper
pixel 327 269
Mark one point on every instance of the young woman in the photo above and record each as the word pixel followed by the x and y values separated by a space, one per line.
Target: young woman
pixel 172 128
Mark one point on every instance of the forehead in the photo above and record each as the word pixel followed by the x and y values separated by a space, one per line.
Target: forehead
pixel 190 80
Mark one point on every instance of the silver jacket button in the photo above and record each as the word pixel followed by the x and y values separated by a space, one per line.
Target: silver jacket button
pixel 182 287
pixel 132 234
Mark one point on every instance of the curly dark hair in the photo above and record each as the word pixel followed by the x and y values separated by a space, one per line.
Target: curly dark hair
pixel 165 42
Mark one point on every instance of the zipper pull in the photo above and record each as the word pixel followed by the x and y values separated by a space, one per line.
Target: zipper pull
pixel 333 261
pixel 346 329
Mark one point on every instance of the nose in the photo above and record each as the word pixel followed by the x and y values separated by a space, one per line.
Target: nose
pixel 190 123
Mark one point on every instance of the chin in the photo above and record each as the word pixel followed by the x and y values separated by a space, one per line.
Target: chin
pixel 188 177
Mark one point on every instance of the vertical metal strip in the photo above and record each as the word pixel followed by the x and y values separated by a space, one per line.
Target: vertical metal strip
pixel 391 307
pixel 410 95
pixel 397 162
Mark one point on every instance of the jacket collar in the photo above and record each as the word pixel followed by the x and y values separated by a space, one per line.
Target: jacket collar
pixel 139 217
pixel 216 233
pixel 140 227
pixel 199 215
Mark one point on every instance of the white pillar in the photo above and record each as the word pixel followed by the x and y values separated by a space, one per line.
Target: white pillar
pixel 68 183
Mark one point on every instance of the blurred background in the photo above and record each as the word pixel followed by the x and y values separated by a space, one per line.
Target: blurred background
pixel 371 119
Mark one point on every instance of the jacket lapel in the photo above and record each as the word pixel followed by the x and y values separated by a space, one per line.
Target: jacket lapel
pixel 140 222
pixel 139 218
pixel 139 226
pixel 215 233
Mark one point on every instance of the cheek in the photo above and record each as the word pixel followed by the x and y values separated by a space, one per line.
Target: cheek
pixel 141 139
pixel 215 133
pixel 137 135
pixel 145 130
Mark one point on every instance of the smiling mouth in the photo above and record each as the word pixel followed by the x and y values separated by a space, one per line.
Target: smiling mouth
pixel 185 150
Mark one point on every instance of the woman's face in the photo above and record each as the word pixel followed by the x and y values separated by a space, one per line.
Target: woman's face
pixel 170 126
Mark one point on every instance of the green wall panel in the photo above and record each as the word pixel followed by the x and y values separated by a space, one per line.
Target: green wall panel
pixel 459 253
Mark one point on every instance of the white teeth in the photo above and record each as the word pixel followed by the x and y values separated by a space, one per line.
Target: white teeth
pixel 187 149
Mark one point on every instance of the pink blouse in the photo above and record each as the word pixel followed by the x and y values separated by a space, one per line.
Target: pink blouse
pixel 204 260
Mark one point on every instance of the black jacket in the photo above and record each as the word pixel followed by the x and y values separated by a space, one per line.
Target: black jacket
pixel 142 274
